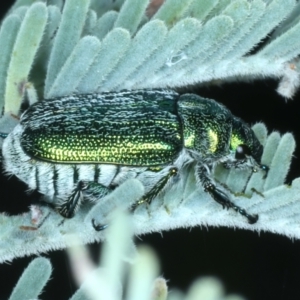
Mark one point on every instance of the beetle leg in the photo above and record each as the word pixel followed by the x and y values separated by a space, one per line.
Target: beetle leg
pixel 68 208
pixel 222 198
pixel 219 196
pixel 246 163
pixel 95 191
pixel 157 188
pixel 149 196
pixel 84 190
pixel 98 227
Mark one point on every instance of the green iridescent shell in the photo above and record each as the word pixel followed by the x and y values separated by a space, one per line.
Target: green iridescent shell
pixel 129 128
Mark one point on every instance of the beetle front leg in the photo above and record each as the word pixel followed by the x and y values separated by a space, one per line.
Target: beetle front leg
pixel 222 198
pixel 243 159
pixel 219 196
pixel 242 164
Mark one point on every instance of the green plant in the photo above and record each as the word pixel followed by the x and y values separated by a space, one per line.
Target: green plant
pixel 87 47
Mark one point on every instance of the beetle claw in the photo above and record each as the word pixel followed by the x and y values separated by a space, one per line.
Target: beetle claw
pixel 98 227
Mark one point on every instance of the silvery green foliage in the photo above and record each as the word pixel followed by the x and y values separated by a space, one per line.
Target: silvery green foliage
pixel 33 280
pixel 185 42
pixel 124 272
pixel 88 46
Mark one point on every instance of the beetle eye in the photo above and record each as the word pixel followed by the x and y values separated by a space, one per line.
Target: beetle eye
pixel 241 151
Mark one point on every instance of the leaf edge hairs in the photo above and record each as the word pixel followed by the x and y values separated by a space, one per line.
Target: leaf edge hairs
pixel 83 146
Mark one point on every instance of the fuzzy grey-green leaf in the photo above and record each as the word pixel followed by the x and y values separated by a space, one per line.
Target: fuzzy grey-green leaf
pixel 90 22
pixel 147 40
pixel 257 181
pixel 178 37
pixel 112 50
pixel 42 57
pixel 238 11
pixel 20 3
pixel 281 158
pixel 212 33
pixel 20 12
pixel 75 67
pixel 72 22
pixel 220 7
pixel 261 132
pixel 122 197
pixel 237 179
pixel 257 8
pixel 58 3
pixel 270 147
pixel 105 24
pixel 201 9
pixel 171 11
pixel 131 14
pixel 102 7
pixel 24 49
pixel 287 45
pixel 33 280
pixel 8 33
pixel 273 14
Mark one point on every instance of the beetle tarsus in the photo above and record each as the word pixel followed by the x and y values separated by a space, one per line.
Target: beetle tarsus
pixel 98 227
pixel 218 195
pixel 265 169
pixel 156 189
pixel 222 199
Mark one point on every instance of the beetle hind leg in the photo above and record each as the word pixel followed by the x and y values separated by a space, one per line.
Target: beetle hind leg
pixel 219 196
pixel 69 206
pixel 83 191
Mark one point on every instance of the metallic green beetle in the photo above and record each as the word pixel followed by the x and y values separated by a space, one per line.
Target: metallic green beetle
pixel 82 146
